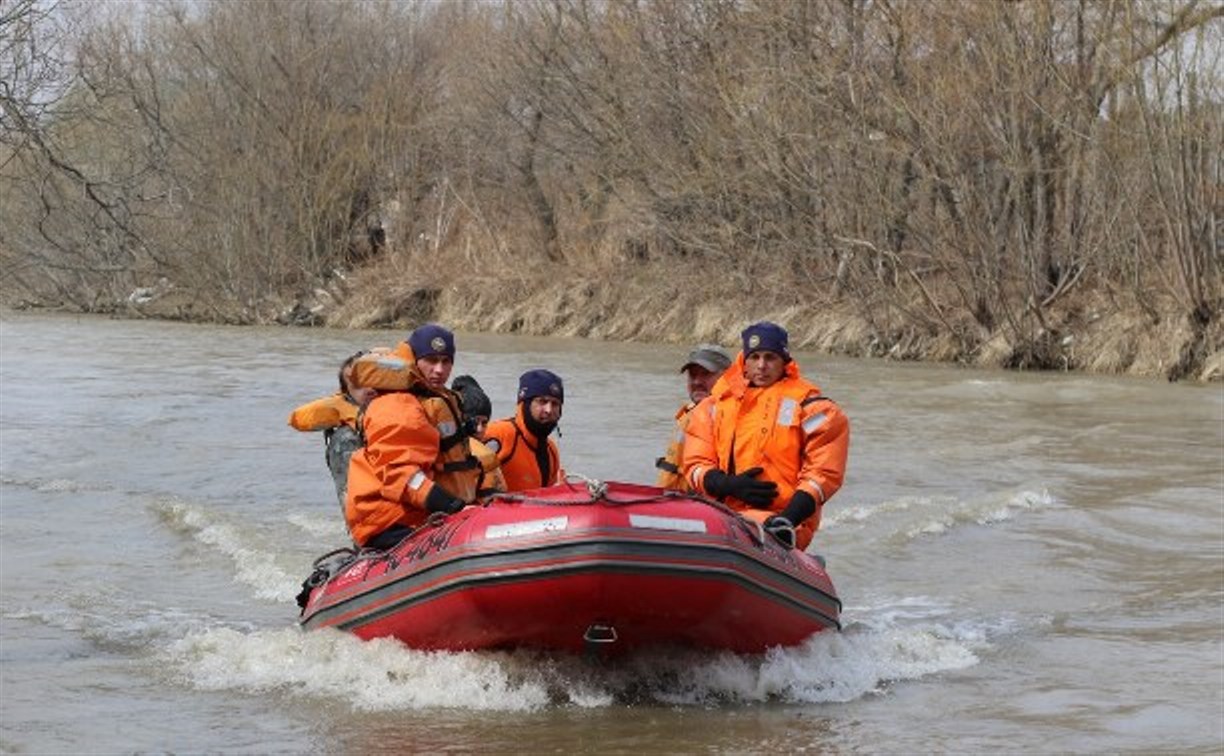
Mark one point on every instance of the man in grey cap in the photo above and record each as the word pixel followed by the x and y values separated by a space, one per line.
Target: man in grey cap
pixel 704 366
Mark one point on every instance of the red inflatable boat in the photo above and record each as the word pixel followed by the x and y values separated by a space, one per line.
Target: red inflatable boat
pixel 586 566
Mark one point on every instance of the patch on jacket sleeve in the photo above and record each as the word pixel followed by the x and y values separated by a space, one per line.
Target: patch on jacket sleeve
pixel 815 421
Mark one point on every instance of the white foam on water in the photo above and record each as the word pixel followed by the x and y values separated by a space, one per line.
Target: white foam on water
pixel 828 668
pixel 891 645
pixel 254 561
pixel 378 675
pixel 327 526
pixel 910 518
pixel 860 514
pixel 987 510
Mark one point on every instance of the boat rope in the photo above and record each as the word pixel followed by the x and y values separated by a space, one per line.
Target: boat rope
pixel 345 550
pixel 596 488
pixel 597 491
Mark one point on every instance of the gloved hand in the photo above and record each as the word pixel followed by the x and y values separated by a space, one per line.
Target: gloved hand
pixel 745 487
pixel 440 500
pixel 781 528
pixel 800 507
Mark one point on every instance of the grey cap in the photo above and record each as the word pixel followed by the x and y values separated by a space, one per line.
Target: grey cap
pixel 712 357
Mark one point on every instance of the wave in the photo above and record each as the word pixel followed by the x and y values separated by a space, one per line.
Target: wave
pixel 111 619
pixel 884 644
pixel 328 526
pixel 251 550
pixel 866 659
pixel 54 485
pixel 912 517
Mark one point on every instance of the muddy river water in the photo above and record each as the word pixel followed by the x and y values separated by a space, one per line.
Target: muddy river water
pixel 1028 562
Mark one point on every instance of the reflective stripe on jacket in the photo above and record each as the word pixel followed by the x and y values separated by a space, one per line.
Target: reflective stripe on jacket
pixel 800 439
pixel 516 451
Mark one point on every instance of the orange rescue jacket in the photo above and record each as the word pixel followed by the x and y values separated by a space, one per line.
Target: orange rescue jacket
pixel 391 475
pixel 671 473
pixel 800 438
pixel 516 453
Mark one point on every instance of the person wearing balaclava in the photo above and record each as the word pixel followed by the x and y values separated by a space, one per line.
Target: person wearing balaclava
pixel 529 457
pixel 767 442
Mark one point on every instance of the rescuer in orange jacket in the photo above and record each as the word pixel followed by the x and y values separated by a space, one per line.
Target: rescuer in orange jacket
pixel 529 458
pixel 391 486
pixel 705 365
pixel 767 441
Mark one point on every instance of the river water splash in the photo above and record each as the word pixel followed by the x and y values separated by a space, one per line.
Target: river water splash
pixel 1027 562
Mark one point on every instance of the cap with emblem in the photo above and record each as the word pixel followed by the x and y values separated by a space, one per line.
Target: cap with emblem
pixel 432 339
pixel 535 383
pixel 765 337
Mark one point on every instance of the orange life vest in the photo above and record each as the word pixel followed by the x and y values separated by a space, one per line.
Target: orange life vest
pixel 800 438
pixel 322 414
pixel 462 461
pixel 386 371
pixel 516 454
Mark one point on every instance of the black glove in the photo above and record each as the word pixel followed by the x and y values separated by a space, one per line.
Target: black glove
pixel 800 507
pixel 439 500
pixel 745 487
pixel 781 528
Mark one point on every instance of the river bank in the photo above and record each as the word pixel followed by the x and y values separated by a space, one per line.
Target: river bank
pixel 1091 334
pixel 671 306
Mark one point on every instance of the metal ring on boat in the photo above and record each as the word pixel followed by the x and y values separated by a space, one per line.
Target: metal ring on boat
pixel 598 633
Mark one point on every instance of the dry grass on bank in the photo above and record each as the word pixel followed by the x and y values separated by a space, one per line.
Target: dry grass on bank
pixel 654 303
pixel 657 305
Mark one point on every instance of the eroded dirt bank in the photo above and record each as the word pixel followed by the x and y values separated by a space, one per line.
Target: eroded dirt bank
pixel 1088 334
